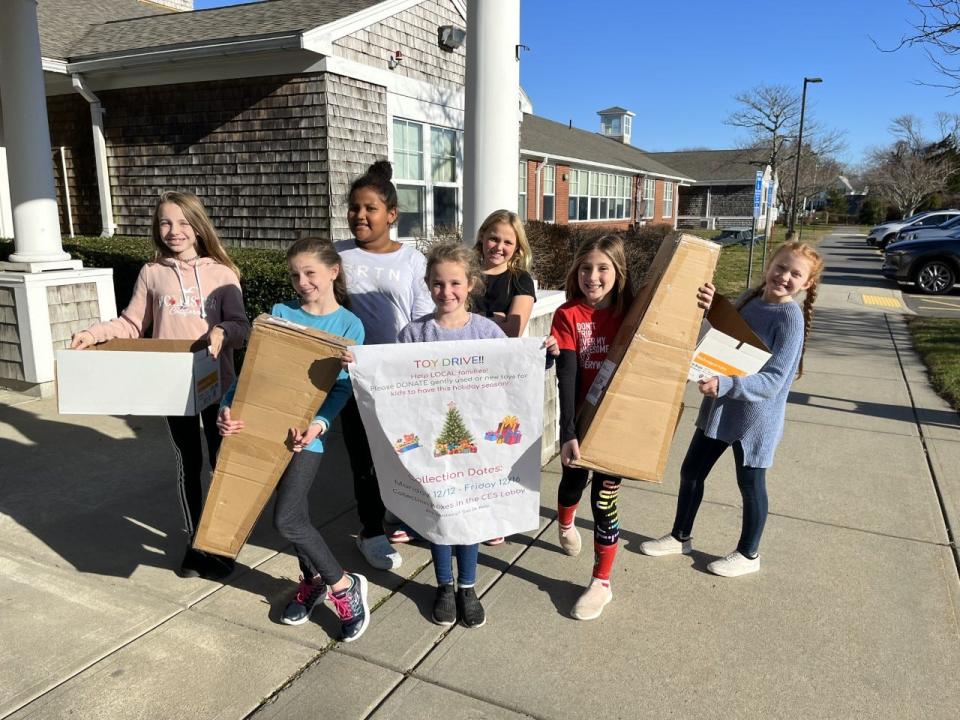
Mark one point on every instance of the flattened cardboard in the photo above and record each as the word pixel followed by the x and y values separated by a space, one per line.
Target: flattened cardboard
pixel 729 347
pixel 119 377
pixel 627 422
pixel 287 372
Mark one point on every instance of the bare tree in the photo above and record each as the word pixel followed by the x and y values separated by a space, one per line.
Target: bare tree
pixel 937 32
pixel 912 169
pixel 771 116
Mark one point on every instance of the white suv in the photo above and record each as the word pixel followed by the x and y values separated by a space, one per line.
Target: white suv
pixel 883 235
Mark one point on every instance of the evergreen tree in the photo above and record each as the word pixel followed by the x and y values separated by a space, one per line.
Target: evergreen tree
pixel 454 431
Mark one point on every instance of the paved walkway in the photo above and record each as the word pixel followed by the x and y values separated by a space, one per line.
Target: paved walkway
pixel 854 614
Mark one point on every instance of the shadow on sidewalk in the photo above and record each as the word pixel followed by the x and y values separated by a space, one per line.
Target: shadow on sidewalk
pixel 888 411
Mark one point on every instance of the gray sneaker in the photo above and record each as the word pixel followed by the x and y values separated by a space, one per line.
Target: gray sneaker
pixel 379 552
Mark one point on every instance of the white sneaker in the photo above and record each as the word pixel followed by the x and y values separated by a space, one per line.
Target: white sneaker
pixel 734 565
pixel 667 545
pixel 594 599
pixel 379 552
pixel 570 541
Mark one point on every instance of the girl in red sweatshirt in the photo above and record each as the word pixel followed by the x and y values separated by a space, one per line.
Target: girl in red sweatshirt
pixel 189 291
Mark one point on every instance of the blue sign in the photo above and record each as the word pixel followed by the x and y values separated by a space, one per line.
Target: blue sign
pixel 757 193
pixel 770 195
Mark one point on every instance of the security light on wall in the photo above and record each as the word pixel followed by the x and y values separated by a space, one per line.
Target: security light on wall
pixel 450 37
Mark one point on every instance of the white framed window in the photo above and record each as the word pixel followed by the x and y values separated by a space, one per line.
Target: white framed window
pixel 611 125
pixel 649 189
pixel 426 173
pixel 667 199
pixel 548 213
pixel 599 196
pixel 522 191
pixel 627 124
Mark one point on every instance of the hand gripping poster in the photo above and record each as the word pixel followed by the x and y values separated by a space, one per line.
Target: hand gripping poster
pixel 455 431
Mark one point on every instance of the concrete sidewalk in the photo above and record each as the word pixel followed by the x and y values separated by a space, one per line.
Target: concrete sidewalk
pixel 853 615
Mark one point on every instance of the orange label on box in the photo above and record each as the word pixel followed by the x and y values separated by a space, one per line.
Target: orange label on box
pixel 718 366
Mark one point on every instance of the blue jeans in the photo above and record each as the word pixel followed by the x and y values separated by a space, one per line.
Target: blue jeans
pixel 702 455
pixel 466 563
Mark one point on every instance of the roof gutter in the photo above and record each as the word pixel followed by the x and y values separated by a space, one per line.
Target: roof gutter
pixel 152 56
pixel 109 227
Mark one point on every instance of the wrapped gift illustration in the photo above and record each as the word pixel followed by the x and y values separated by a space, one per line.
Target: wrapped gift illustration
pixel 454 438
pixel 406 443
pixel 507 432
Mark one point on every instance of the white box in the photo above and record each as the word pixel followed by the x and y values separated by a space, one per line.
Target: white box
pixel 137 377
pixel 727 346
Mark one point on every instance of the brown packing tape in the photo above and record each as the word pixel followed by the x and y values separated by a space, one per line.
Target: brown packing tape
pixel 629 431
pixel 287 373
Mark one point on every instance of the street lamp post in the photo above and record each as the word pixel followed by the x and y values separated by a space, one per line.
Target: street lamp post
pixel 796 171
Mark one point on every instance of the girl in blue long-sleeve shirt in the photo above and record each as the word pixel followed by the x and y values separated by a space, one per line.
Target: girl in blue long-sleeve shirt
pixel 748 412
pixel 316 273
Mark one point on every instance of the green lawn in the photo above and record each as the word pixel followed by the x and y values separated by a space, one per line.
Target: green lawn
pixel 938 342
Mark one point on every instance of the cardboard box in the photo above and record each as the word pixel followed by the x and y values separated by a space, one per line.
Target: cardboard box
pixel 728 346
pixel 137 377
pixel 287 372
pixel 627 422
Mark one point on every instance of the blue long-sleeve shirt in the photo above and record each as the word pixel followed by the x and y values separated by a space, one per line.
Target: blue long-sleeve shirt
pixel 751 409
pixel 340 322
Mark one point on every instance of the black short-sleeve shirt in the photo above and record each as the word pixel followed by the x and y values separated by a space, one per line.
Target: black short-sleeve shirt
pixel 501 290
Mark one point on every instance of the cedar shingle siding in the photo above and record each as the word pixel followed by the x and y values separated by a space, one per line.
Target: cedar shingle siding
pixel 69 117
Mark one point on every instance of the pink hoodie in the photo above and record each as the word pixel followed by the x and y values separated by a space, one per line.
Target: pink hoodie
pixel 184 301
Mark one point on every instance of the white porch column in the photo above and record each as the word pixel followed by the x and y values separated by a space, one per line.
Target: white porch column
pixel 36 224
pixel 491 129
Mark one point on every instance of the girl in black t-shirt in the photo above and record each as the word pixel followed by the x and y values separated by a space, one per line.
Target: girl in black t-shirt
pixel 504 257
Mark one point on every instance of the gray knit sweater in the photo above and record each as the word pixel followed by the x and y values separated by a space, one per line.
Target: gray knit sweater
pixel 751 409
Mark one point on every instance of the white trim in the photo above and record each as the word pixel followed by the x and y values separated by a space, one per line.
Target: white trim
pixel 534 154
pixel 416 89
pixel 321 38
pixel 53 65
pixel 108 226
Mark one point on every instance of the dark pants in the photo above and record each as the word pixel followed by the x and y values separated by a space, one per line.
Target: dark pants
pixel 604 490
pixel 291 517
pixel 366 490
pixel 185 433
pixel 702 455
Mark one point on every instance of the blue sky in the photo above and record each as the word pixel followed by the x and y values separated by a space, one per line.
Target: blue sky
pixel 678 64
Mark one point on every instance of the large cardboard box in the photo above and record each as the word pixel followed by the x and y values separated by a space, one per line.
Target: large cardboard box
pixel 287 372
pixel 727 345
pixel 627 421
pixel 137 377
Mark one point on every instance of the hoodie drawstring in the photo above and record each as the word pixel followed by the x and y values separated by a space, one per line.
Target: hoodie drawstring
pixel 203 303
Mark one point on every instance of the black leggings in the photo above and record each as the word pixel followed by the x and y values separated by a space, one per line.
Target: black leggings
pixel 185 433
pixel 604 490
pixel 366 490
pixel 291 516
pixel 701 456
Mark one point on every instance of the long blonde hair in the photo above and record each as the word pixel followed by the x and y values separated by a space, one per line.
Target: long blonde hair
pixel 521 256
pixel 810 296
pixel 208 242
pixel 612 247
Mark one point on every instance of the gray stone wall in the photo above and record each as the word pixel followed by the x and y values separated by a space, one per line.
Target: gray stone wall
pixel 72 308
pixel 356 137
pixel 254 151
pixel 11 361
pixel 414 33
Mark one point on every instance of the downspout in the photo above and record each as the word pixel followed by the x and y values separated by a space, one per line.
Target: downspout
pixel 100 155
pixel 541 164
pixel 66 188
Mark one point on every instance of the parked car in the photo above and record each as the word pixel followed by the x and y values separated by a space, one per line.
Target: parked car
pixel 737 237
pixel 942 230
pixel 883 235
pixel 932 265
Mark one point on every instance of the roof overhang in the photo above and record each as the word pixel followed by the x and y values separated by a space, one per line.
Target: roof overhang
pixel 606 166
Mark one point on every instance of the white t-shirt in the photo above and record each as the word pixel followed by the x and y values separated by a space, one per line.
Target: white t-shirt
pixel 387 290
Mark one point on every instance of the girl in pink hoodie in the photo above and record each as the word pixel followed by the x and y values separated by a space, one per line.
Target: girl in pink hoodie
pixel 189 291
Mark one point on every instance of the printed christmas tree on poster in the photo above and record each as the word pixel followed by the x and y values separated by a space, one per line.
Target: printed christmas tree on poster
pixel 454 438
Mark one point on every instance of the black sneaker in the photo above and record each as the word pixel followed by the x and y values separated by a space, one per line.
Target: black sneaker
pixel 299 609
pixel 445 606
pixel 351 605
pixel 471 611
pixel 197 563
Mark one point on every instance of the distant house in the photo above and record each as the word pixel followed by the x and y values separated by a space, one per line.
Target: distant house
pixel 569 175
pixel 722 194
pixel 267 111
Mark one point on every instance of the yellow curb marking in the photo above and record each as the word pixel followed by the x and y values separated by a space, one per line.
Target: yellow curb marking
pixel 881 300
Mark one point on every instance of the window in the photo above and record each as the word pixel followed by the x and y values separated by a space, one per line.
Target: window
pixel 549 191
pixel 522 197
pixel 649 188
pixel 426 177
pixel 667 199
pixel 611 125
pixel 599 196
pixel 627 124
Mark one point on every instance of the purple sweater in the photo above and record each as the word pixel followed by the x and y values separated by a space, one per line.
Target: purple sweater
pixel 425 329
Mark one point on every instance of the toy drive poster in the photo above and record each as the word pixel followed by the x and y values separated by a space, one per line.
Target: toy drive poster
pixel 455 431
